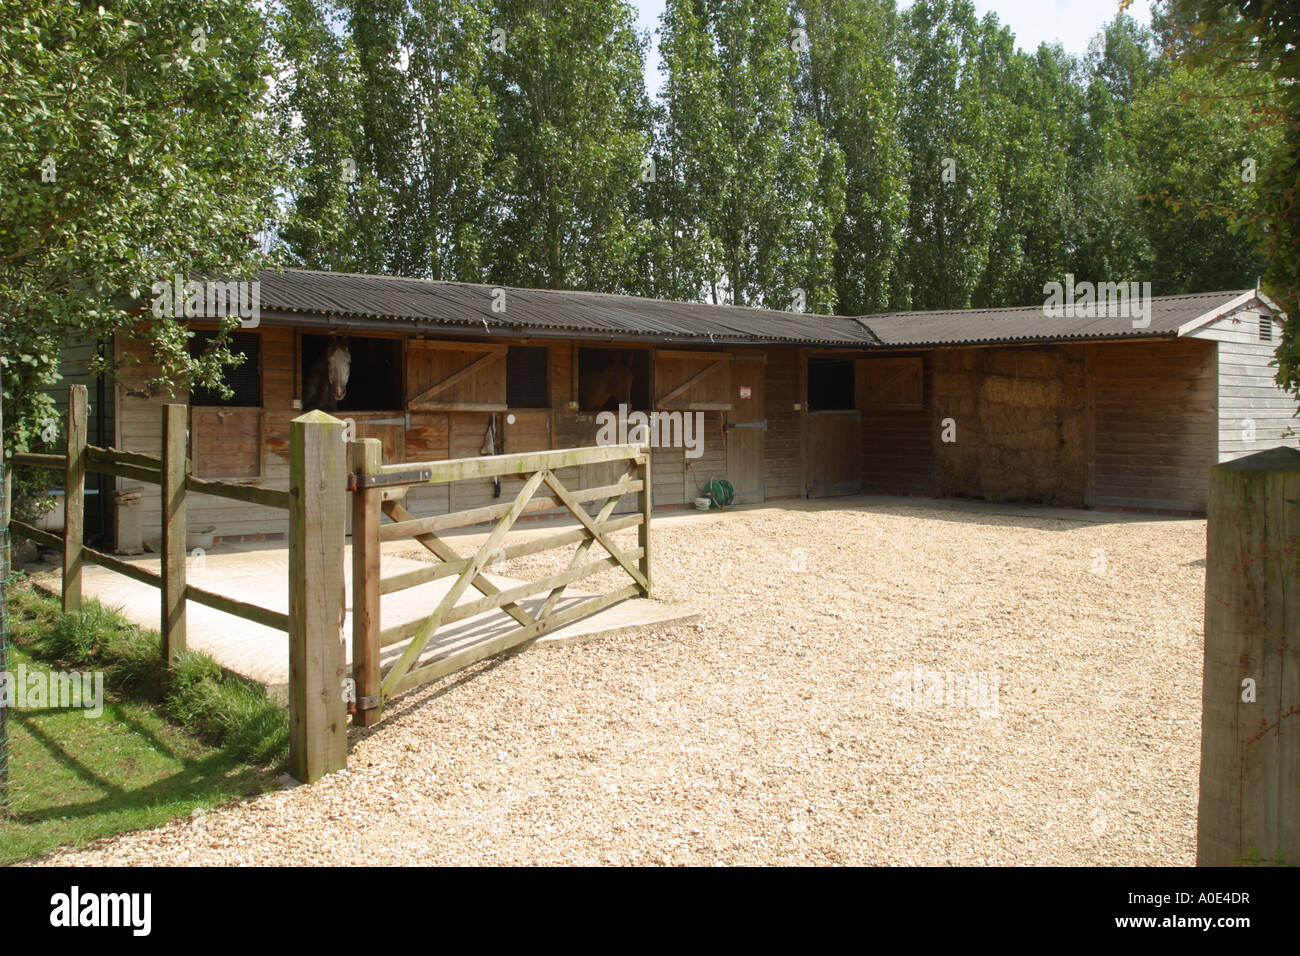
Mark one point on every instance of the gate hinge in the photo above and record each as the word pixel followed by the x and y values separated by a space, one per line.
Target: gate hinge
pixel 419 476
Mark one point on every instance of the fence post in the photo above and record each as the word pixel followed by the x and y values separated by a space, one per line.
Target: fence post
pixel 173 531
pixel 1250 728
pixel 366 457
pixel 318 742
pixel 74 498
pixel 644 503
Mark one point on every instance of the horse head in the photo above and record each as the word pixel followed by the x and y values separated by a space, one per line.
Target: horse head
pixel 338 362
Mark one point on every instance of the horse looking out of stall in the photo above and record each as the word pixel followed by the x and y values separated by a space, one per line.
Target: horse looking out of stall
pixel 326 384
pixel 613 382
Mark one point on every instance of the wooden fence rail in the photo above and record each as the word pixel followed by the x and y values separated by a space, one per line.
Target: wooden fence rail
pixel 170 472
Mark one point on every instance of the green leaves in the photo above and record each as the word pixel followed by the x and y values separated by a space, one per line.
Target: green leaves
pixel 120 170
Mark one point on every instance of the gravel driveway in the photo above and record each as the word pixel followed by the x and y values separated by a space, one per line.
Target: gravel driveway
pixel 873 683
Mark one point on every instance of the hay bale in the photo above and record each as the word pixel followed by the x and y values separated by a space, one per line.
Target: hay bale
pixel 1020 392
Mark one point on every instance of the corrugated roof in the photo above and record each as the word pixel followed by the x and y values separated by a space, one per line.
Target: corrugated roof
pixel 428 305
pixel 1169 313
pixel 423 302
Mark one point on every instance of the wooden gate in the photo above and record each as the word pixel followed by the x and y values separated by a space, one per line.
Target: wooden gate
pixel 379 489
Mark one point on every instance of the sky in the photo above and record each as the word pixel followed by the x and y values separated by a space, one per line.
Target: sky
pixel 1071 23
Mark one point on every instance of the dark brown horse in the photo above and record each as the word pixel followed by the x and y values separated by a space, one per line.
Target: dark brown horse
pixel 327 383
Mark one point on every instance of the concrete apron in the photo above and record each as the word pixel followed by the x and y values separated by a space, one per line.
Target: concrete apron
pixel 260 575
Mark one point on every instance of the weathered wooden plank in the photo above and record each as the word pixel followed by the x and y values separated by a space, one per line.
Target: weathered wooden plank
pixel 436 406
pixel 118 456
pixel 34 460
pixel 74 497
pixel 267 497
pixel 457 519
pixel 366 457
pixel 435 344
pixel 110 461
pixel 36 535
pixel 317 713
pixel 126 568
pixel 250 612
pixel 490 466
pixel 174 423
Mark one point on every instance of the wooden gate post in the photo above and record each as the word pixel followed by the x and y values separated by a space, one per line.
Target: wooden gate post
pixel 1250 728
pixel 366 457
pixel 644 500
pixel 172 591
pixel 318 742
pixel 74 498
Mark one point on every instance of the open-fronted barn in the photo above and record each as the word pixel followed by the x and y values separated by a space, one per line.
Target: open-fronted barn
pixel 1004 405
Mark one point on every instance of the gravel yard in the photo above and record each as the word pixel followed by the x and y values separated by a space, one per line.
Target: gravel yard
pixel 777 730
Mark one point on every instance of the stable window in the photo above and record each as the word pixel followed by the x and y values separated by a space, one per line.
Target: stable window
pixel 373 371
pixel 245 379
pixel 830 384
pixel 527 376
pixel 610 377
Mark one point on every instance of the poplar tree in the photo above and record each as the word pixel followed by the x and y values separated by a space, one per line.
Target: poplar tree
pixel 848 86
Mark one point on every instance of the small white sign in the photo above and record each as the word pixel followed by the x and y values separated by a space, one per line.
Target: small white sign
pixel 745 391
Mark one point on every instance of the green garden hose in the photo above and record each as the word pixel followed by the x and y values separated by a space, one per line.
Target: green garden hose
pixel 721 492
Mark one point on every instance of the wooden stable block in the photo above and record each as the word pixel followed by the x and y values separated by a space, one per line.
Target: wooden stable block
pixel 1250 730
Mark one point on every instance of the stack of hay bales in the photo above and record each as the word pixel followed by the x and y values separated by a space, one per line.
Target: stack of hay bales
pixel 1020 424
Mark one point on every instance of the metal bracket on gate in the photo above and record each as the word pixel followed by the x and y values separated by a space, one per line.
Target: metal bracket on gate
pixel 417 477
pixel 363 703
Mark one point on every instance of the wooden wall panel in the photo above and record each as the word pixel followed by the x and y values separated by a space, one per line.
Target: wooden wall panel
pixel 464 377
pixel 226 442
pixel 530 430
pixel 1254 413
pixel 692 380
pixel 890 383
pixel 1156 423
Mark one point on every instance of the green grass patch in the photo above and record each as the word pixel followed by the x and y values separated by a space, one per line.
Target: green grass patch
pixel 149 758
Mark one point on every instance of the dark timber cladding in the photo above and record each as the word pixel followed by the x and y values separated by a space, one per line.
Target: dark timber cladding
pixel 993 404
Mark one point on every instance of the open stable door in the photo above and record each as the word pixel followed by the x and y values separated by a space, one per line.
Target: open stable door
pixel 746 428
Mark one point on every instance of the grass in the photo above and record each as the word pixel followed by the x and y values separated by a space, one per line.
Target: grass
pixel 206 739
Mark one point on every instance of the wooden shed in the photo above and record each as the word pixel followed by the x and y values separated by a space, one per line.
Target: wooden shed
pixel 1003 405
